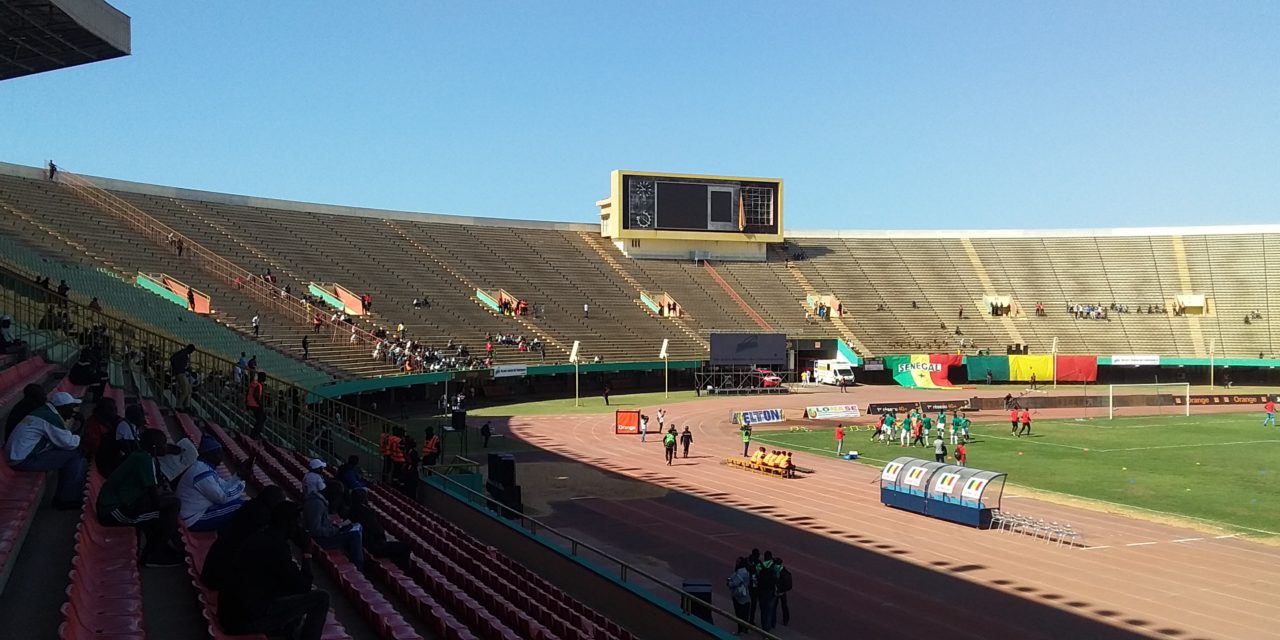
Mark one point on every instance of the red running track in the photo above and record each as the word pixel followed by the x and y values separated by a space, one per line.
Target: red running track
pixel 867 570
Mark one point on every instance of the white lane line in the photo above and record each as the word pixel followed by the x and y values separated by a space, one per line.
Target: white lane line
pixel 1188 539
pixel 1225 537
pixel 1101 546
pixel 1140 544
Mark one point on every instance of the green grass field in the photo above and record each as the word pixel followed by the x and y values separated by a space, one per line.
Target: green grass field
pixel 592 404
pixel 1223 468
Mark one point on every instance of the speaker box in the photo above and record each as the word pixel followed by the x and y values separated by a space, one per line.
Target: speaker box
pixel 459 419
pixel 502 469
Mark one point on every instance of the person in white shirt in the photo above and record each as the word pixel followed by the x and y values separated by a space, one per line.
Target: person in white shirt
pixel 644 426
pixel 586 311
pixel 42 442
pixel 208 499
pixel 256 325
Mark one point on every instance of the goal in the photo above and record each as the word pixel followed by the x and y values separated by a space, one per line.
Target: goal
pixel 1162 398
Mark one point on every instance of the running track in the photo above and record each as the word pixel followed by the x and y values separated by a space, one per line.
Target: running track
pixel 865 570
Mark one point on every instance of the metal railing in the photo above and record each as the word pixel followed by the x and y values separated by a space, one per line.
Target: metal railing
pixel 621 570
pixel 36 309
pixel 287 304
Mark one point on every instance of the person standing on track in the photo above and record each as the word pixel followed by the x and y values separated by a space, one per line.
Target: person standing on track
pixel 784 586
pixel 1013 420
pixel 746 439
pixel 1270 409
pixel 686 439
pixel 605 392
pixel 1026 423
pixel 839 439
pixel 669 444
pixel 644 427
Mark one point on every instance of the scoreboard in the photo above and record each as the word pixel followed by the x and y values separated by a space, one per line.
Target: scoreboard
pixel 677 202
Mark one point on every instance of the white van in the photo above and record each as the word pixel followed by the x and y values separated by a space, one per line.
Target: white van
pixel 833 371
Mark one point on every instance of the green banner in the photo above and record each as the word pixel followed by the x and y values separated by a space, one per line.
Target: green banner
pixel 978 367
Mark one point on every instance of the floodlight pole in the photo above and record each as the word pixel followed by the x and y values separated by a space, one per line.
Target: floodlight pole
pixel 1212 345
pixel 1055 362
pixel 577 402
pixel 666 388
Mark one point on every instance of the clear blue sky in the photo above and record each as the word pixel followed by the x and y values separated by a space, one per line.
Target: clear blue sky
pixel 878 115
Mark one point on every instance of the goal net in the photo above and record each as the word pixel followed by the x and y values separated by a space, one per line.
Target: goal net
pixel 1166 398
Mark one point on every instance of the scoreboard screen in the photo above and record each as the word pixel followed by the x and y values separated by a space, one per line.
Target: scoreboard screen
pixel 671 203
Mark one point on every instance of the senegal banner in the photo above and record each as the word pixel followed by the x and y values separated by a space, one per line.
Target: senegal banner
pixel 1021 368
pixel 927 371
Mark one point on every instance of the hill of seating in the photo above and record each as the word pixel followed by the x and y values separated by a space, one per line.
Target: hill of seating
pixel 923 283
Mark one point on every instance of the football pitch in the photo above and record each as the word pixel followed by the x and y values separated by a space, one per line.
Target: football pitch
pixel 1223 467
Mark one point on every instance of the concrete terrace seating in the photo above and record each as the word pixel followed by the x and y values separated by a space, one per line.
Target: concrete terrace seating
pixel 62 224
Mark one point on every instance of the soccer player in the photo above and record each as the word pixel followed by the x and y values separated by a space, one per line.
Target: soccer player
pixel 964 427
pixel 904 431
pixel 1013 421
pixel 1026 423
pixel 888 432
pixel 955 426
pixel 928 425
pixel 1270 408
pixel 961 454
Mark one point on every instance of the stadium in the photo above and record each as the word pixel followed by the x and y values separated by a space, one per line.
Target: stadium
pixel 387 424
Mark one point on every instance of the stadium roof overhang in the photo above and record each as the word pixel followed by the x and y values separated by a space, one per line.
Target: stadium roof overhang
pixel 43 35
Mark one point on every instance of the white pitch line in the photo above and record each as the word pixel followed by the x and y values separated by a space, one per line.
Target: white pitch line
pixel 1029 440
pixel 1225 537
pixel 1189 446
pixel 1188 539
pixel 1101 546
pixel 1140 544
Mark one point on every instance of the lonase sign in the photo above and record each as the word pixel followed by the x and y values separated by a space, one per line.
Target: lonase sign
pixel 763 416
pixel 831 412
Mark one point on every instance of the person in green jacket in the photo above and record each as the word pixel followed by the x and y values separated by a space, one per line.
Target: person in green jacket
pixel 746 439
pixel 669 444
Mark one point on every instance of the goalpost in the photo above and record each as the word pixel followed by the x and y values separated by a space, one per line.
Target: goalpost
pixel 1176 390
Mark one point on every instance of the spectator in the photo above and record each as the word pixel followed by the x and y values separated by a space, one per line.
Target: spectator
pixel 123 441
pixel 209 501
pixel 349 475
pixel 134 496
pixel 176 460
pixel 784 586
pixel 767 591
pixel 586 311
pixel 740 592
pixel 238 371
pixel 267 591
pixel 179 365
pixel 191 299
pixel 257 325
pixel 686 439
pixel 374 534
pixel 52 171
pixel 8 343
pixel 254 400
pixel 42 442
pixel 33 397
pixel 181 245
pixel 306 347
pixel 63 290
pixel 486 432
pixel 249 519
pixel 105 417
pixel 316 510
pixel 94 305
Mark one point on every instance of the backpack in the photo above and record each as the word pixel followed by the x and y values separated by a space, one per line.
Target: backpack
pixel 784 580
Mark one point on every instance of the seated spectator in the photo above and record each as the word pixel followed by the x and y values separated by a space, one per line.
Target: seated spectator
pixel 176 460
pixel 267 590
pixel 375 536
pixel 209 500
pixel 123 441
pixel 134 496
pixel 249 519
pixel 316 520
pixel 349 475
pixel 105 417
pixel 42 442
pixel 8 343
pixel 33 397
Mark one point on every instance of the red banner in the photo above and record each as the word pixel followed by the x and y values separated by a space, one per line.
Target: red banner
pixel 1077 369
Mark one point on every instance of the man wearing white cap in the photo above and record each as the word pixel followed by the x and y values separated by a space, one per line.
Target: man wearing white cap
pixel 42 442
pixel 316 520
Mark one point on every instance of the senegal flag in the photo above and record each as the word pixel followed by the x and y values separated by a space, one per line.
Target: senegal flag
pixel 928 371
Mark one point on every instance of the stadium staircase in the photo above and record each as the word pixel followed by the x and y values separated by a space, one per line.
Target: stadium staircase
pixel 736 297
pixel 802 281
